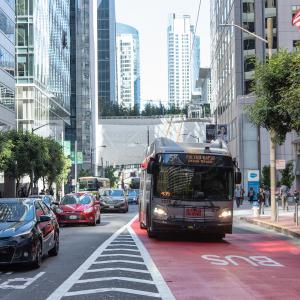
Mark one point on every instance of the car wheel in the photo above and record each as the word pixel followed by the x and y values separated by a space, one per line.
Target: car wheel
pixel 151 233
pixel 55 249
pixel 99 219
pixel 38 255
pixel 94 223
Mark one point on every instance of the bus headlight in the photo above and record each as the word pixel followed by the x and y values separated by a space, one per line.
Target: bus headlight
pixel 225 214
pixel 159 211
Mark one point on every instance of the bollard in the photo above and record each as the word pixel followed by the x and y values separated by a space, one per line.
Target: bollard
pixel 255 209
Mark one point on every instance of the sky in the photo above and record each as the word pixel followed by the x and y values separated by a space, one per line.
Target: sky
pixel 150 18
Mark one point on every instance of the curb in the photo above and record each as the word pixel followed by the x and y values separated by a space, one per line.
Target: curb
pixel 275 227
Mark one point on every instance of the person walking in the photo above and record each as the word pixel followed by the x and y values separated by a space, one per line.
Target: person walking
pixel 267 197
pixel 251 195
pixel 238 195
pixel 284 192
pixel 261 200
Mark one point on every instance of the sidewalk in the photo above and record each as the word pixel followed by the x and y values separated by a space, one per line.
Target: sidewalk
pixel 284 225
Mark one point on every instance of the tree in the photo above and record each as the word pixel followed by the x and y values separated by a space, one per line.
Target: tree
pixel 266 175
pixel 85 173
pixel 287 175
pixel 110 173
pixel 5 150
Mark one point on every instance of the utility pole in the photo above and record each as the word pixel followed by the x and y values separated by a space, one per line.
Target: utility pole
pixel 75 159
pixel 272 136
pixel 63 182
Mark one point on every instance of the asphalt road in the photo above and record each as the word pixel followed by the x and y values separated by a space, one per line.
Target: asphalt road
pixel 110 261
pixel 77 243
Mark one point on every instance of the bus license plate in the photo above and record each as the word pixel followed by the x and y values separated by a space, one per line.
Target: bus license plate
pixel 193 212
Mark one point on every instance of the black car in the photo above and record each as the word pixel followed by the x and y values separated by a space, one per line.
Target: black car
pixel 28 230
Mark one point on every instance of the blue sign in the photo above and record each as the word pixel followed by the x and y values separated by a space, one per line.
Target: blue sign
pixel 255 186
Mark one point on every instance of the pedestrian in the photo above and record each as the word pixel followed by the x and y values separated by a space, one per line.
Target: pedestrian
pixel 284 192
pixel 251 195
pixel 238 196
pixel 242 195
pixel 267 197
pixel 261 200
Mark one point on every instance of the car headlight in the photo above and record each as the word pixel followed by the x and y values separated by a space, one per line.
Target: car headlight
pixel 59 211
pixel 159 211
pixel 225 214
pixel 22 236
pixel 88 210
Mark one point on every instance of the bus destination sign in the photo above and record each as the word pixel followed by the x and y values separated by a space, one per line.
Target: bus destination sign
pixel 200 159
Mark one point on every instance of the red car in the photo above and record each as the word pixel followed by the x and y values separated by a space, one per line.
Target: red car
pixel 78 208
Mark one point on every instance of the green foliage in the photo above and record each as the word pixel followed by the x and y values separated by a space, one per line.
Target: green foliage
pixel 277 89
pixel 266 176
pixel 5 150
pixel 287 175
pixel 85 173
pixel 110 173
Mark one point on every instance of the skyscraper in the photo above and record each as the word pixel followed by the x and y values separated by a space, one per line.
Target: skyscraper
pixel 106 55
pixel 7 64
pixel 182 57
pixel 43 66
pixel 128 66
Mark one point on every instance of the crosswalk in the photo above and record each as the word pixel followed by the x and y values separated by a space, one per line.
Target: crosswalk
pixel 119 269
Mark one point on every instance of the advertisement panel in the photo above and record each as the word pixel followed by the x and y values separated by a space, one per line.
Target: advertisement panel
pixel 214 132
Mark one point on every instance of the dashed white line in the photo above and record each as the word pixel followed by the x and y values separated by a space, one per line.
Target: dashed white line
pixel 115 278
pixel 121 249
pixel 130 291
pixel 117 261
pixel 120 254
pixel 118 269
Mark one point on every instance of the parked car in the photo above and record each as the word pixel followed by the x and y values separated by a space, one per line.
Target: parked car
pixel 28 230
pixel 78 208
pixel 114 200
pixel 47 199
pixel 132 196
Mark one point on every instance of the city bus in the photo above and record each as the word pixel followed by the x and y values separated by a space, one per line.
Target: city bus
pixel 93 184
pixel 187 188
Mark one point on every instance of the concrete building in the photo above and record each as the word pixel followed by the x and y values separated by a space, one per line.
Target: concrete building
pixel 43 66
pixel 128 66
pixel 7 65
pixel 232 69
pixel 106 22
pixel 204 83
pixel 181 60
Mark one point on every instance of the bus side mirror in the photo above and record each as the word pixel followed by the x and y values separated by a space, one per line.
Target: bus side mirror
pixel 238 177
pixel 151 167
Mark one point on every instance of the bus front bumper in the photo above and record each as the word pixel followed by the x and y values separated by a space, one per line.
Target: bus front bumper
pixel 161 226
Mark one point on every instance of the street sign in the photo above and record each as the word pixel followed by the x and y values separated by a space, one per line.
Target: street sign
pixel 280 164
pixel 67 148
pixel 79 158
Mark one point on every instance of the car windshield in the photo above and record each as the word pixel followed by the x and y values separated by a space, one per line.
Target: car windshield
pixel 16 211
pixel 106 193
pixel 194 183
pixel 74 199
pixel 117 193
pixel 47 200
pixel 132 193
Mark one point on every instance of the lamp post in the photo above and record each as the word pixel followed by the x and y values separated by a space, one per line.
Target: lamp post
pixel 269 42
pixel 37 128
pixel 193 136
pixel 92 151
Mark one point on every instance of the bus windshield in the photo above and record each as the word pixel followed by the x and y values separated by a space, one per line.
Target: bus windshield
pixel 88 185
pixel 193 183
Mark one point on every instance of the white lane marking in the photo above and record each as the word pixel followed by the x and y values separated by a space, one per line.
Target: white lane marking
pixel 115 278
pixel 62 290
pixel 127 255
pixel 117 269
pixel 27 281
pixel 121 249
pixel 160 283
pixel 129 291
pixel 116 261
pixel 122 244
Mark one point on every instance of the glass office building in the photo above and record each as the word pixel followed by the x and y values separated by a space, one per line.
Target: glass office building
pixel 7 64
pixel 43 65
pixel 106 22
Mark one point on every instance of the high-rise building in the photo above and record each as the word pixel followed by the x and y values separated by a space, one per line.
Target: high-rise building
pixel 80 128
pixel 106 55
pixel 7 64
pixel 204 83
pixel 43 66
pixel 183 60
pixel 128 66
pixel 233 54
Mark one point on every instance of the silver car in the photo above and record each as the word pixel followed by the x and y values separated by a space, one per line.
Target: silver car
pixel 113 200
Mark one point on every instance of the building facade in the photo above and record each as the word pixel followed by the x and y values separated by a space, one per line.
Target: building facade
pixel 43 66
pixel 7 64
pixel 80 128
pixel 233 54
pixel 128 66
pixel 181 60
pixel 106 22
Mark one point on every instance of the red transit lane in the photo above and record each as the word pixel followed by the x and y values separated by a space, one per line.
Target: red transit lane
pixel 244 266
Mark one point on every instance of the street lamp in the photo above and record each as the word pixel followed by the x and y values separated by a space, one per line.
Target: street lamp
pixel 269 42
pixel 37 128
pixel 92 151
pixel 193 136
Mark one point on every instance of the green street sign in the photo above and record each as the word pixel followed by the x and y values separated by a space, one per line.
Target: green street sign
pixel 79 157
pixel 67 148
pixel 72 157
